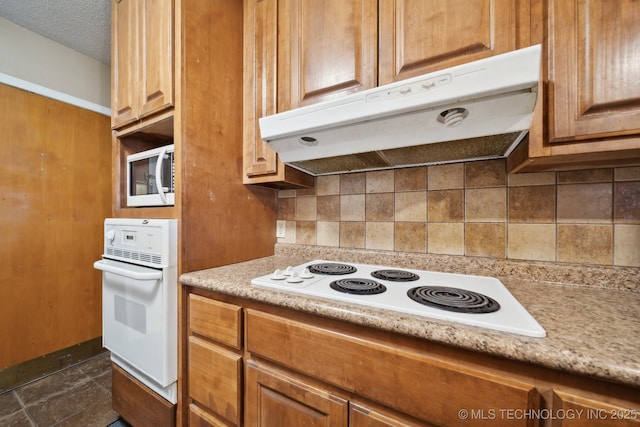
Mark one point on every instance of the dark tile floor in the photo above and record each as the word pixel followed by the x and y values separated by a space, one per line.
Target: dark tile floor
pixel 79 396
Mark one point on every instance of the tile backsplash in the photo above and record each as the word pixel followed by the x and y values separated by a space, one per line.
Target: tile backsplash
pixel 473 209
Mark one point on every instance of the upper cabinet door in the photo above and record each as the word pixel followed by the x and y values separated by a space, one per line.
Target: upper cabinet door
pixel 326 49
pixel 142 61
pixel 156 56
pixel 420 36
pixel 594 69
pixel 124 62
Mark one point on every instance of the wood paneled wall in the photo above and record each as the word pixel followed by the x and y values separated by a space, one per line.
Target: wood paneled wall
pixel 55 191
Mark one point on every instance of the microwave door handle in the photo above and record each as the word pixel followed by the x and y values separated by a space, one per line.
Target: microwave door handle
pixel 155 275
pixel 159 176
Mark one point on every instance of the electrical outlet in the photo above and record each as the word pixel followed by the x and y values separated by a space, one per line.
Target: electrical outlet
pixel 281 228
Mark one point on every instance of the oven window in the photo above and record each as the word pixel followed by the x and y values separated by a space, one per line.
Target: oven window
pixel 130 313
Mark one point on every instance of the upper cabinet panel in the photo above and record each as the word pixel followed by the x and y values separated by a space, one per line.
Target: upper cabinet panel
pixel 142 59
pixel 156 56
pixel 326 49
pixel 124 63
pixel 418 36
pixel 594 69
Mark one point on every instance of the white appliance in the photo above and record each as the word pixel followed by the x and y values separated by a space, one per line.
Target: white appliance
pixel 472 300
pixel 374 129
pixel 150 177
pixel 140 300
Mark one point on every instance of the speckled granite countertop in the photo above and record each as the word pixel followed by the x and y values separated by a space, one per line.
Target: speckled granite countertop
pixel 590 314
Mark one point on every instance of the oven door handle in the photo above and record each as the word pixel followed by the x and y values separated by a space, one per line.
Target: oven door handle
pixel 125 272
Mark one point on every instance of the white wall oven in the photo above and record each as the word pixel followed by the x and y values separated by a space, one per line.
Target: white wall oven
pixel 139 300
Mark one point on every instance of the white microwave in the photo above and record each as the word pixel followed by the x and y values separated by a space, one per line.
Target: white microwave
pixel 150 177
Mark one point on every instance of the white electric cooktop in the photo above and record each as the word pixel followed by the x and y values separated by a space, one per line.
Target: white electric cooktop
pixel 472 300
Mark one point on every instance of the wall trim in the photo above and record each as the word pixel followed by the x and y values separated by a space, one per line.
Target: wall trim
pixel 31 370
pixel 53 94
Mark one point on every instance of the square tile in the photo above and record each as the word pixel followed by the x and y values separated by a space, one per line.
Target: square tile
pixel 411 179
pixel 328 233
pixel 532 204
pixel 306 208
pixel 380 181
pixel 626 202
pixel 532 242
pixel 328 208
pixel 442 177
pixel 411 206
pixel 411 237
pixel 585 243
pixel 585 203
pixel 488 173
pixel 626 246
pixel 306 232
pixel 486 204
pixel 352 235
pixel 488 240
pixel 446 206
pixel 380 235
pixel 445 238
pixel 352 183
pixel 327 184
pixel 352 207
pixel 379 207
pixel 286 209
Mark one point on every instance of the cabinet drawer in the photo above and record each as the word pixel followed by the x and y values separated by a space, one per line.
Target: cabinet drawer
pixel 427 388
pixel 215 378
pixel 200 418
pixel 215 320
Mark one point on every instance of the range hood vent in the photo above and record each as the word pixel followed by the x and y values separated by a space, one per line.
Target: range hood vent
pixel 479 110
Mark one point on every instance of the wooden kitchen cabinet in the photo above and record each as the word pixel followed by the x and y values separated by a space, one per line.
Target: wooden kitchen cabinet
pixel 214 209
pixel 418 36
pixel 142 59
pixel 583 411
pixel 291 60
pixel 415 384
pixel 214 371
pixel 277 399
pixel 588 114
pixel 299 52
pixel 303 369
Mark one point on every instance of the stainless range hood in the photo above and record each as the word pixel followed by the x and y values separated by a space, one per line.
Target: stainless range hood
pixel 478 110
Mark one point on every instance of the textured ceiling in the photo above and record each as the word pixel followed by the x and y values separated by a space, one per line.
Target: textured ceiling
pixel 82 25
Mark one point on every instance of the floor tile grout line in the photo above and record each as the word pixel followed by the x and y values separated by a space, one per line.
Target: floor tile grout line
pixel 24 408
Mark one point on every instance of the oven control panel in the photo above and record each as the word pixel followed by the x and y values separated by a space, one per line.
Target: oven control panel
pixel 150 242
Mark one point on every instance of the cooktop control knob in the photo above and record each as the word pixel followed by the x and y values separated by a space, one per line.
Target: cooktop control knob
pixel 289 271
pixel 277 275
pixel 294 278
pixel 110 236
pixel 306 274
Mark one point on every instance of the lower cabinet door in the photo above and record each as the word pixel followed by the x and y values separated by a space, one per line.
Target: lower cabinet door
pixel 276 399
pixel 215 379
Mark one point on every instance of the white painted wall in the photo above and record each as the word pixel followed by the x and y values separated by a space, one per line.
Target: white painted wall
pixel 43 65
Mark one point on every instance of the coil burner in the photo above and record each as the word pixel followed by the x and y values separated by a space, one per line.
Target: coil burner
pixel 332 269
pixel 395 275
pixel 453 299
pixel 358 286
